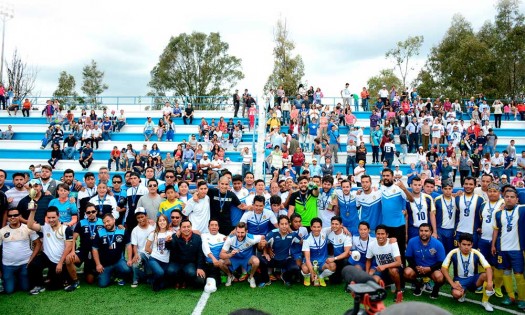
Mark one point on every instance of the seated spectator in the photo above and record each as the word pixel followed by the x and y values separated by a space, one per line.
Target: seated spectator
pixel 56 155
pixel 15 106
pixel 8 134
pixel 70 144
pixel 86 156
pixel 114 157
pixel 26 107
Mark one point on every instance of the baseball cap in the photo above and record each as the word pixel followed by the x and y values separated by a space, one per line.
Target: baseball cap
pixel 140 210
pixel 35 182
pixel 504 176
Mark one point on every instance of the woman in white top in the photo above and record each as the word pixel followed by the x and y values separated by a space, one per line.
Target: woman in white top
pixel 437 132
pixel 159 260
pixel 276 158
pixel 103 202
pixel 497 113
pixel 86 136
pixel 421 159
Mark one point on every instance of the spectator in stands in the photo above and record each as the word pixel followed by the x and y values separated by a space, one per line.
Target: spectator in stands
pixel 8 134
pixel 56 155
pixel 188 114
pixel 121 121
pixel 86 156
pixel 96 135
pixel 69 147
pixel 149 126
pixel 87 136
pixel 114 156
pixel 26 107
pixel 107 127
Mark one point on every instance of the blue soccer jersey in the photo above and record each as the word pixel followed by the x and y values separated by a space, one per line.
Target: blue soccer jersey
pixel 393 203
pixel 371 208
pixel 281 244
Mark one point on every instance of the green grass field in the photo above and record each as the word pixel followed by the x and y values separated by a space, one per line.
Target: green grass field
pixel 274 299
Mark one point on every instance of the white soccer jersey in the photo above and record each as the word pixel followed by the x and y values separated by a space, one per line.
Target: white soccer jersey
pixel 467 212
pixel 506 222
pixel 487 217
pixel 212 244
pixel 339 242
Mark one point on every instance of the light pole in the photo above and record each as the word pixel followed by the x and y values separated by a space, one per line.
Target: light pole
pixel 6 13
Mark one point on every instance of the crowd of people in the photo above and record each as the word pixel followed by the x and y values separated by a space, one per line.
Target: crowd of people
pixel 147 228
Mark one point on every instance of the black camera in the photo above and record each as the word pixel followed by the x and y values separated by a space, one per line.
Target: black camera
pixel 375 292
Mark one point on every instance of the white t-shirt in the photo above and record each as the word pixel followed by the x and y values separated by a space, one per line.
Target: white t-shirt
pixel 198 213
pixel 385 254
pixel 158 245
pixel 16 245
pixel 55 241
pixel 139 237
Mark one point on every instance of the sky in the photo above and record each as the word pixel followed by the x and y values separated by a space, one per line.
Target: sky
pixel 339 41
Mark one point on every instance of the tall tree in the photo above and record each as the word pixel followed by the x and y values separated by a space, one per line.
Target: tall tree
pixel 20 76
pixel 403 53
pixel 93 81
pixel 288 70
pixel 386 77
pixel 65 91
pixel 194 65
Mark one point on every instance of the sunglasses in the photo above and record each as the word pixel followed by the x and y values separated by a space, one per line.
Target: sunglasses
pixel 114 182
pixel 152 185
pixel 91 212
pixel 175 218
pixel 170 176
pixel 13 215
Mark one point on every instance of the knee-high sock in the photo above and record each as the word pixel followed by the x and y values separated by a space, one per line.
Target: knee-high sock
pixel 326 273
pixel 498 278
pixel 485 297
pixel 509 286
pixel 520 283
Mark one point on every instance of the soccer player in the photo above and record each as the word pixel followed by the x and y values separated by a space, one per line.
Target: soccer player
pixel 105 202
pixel 86 231
pixel 278 249
pixel 469 206
pixel 393 200
pixel 296 250
pixel 108 252
pixel 425 255
pixel 421 210
pixel 68 212
pixel 491 206
pixel 387 258
pixel 198 208
pixel 241 193
pixel 277 206
pixel 506 242
pixel 483 190
pixel 86 193
pixel 465 260
pixel 340 245
pixel 134 193
pixel 369 201
pixel 20 245
pixel 221 202
pixel 237 251
pixel 360 244
pixel 346 207
pixel 324 201
pixel 315 251
pixel 212 244
pixel 304 201
pixel 139 237
pixel 446 212
pixel 58 243
pixel 260 221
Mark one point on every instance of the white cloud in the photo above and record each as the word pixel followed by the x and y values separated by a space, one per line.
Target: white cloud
pixel 339 41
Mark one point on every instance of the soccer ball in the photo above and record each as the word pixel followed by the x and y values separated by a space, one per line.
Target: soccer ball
pixel 211 285
pixel 356 255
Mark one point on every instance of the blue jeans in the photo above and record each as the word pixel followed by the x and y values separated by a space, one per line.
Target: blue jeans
pixel 245 168
pixel 509 172
pixel 106 135
pixel 70 152
pixel 13 273
pixel 186 272
pixel 365 104
pixel 159 270
pixel 497 171
pixel 120 268
pixel 350 165
pixel 236 142
pixel 286 116
pixel 488 149
pixel 120 124
pixel 140 269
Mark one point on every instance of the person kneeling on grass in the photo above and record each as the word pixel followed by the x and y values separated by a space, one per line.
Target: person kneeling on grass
pixel 238 251
pixel 315 251
pixel 212 244
pixel 388 260
pixel 108 252
pixel 425 256
pixel 466 275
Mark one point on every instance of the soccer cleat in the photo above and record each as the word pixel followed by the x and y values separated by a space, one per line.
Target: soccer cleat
pixel 508 301
pixel 498 293
pixel 306 281
pixel 521 305
pixel 135 284
pixel 321 282
pixel 488 307
pixel 72 287
pixel 428 287
pixel 229 280
pixel 272 277
pixel 479 290
pixel 251 281
pixel 37 290
pixel 263 284
pixel 462 298
pixel 120 282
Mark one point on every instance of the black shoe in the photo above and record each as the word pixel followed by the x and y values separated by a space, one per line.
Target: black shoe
pixel 417 290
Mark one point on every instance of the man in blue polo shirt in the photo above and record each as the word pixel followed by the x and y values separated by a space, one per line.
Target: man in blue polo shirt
pixel 333 141
pixel 425 255
pixel 313 128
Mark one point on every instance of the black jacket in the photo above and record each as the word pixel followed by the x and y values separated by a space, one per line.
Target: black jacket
pixel 187 252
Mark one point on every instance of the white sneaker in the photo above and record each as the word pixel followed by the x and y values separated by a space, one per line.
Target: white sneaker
pixel 229 280
pixel 462 298
pixel 251 281
pixel 488 307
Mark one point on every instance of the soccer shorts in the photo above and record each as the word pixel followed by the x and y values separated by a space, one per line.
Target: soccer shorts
pixel 468 283
pixel 485 247
pixel 240 262
pixel 512 259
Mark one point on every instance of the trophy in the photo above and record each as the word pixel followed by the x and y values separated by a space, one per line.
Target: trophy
pixel 32 205
pixel 315 264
